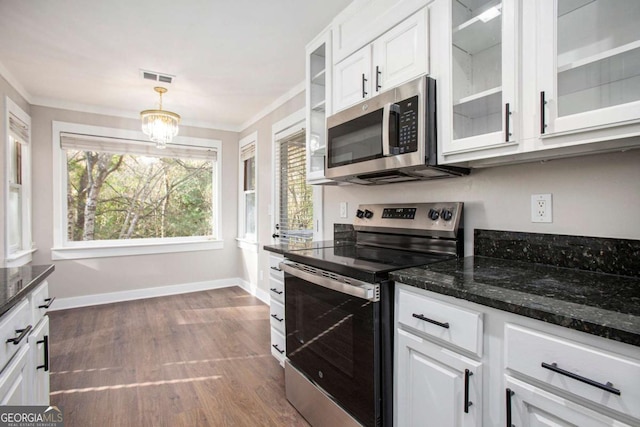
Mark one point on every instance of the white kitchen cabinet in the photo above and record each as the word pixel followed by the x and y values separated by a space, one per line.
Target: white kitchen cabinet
pixel 39 363
pixel 14 380
pixel 435 384
pixel 395 57
pixel 318 101
pixel 588 64
pixel 277 310
pixel 530 406
pixel 474 61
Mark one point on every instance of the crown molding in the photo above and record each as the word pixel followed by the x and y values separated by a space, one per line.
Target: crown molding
pixel 297 89
pixel 13 82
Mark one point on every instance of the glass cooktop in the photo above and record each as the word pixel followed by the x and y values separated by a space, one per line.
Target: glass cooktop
pixel 367 263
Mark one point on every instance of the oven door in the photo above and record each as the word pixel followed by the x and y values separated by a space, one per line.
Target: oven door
pixel 333 338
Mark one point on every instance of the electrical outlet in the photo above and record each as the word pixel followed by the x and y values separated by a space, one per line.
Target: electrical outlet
pixel 541 208
pixel 343 209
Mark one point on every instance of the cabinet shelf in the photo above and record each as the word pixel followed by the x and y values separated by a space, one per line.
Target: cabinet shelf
pixel 475 35
pixel 478 95
pixel 570 6
pixel 599 56
pixel 319 106
pixel 319 78
pixel 480 105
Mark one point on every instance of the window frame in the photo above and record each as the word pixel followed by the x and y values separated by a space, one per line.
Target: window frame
pixel 65 249
pixel 247 241
pixel 21 255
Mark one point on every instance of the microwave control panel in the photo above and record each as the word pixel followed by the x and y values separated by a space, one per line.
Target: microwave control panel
pixel 407 126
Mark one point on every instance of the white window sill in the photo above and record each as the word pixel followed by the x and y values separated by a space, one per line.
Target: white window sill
pixel 20 258
pixel 116 250
pixel 248 245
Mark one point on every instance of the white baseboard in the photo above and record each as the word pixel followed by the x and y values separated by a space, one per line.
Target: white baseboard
pixel 255 291
pixel 111 297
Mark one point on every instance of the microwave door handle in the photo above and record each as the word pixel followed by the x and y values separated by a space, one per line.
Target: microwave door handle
pixel 388 111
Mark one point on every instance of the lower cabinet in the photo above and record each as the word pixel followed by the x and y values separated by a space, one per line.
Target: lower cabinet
pixel 14 381
pixel 276 312
pixel 436 387
pixel 530 406
pixel 39 363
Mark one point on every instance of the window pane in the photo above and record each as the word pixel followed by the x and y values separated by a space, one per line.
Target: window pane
pixel 15 218
pixel 250 213
pixel 250 174
pixel 15 161
pixel 114 197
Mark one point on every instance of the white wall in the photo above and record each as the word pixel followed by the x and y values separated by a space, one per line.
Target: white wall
pixel 597 195
pixel 75 278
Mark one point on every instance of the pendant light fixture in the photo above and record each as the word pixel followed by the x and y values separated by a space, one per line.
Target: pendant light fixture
pixel 160 125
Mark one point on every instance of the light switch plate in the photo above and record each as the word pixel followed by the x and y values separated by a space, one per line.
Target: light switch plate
pixel 343 209
pixel 541 208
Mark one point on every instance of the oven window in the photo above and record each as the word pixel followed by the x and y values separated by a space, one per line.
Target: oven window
pixel 332 339
pixel 355 141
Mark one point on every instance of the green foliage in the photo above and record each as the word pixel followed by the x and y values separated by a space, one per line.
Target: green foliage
pixel 140 197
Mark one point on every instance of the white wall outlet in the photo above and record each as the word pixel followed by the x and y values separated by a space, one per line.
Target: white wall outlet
pixel 541 208
pixel 343 209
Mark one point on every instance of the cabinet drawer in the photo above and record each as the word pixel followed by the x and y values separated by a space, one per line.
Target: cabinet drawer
pixel 570 364
pixel 13 381
pixel 40 301
pixel 455 325
pixel 274 267
pixel 277 344
pixel 18 318
pixel 277 316
pixel 276 289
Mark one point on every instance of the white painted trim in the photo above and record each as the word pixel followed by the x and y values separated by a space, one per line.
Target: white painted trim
pixel 254 290
pixel 252 138
pixel 290 94
pixel 247 245
pixel 135 294
pixel 85 252
pixel 13 82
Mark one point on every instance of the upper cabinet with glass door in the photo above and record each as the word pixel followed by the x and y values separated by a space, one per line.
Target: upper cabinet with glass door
pixel 588 69
pixel 318 93
pixel 475 64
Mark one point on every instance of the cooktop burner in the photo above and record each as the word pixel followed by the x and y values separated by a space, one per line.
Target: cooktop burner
pixel 367 263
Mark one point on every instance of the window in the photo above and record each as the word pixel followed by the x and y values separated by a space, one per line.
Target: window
pixel 294 195
pixel 247 221
pixel 125 193
pixel 18 246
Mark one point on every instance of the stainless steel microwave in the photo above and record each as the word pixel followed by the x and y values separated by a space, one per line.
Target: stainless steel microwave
pixel 388 138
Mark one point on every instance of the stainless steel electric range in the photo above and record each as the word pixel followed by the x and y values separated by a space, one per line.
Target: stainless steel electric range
pixel 339 310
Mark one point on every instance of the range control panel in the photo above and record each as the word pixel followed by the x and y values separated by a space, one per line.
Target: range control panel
pixel 437 219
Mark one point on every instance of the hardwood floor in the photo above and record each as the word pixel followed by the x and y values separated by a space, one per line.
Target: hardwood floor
pixel 198 359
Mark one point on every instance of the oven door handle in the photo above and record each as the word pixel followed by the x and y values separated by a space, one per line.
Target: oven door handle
pixel 356 288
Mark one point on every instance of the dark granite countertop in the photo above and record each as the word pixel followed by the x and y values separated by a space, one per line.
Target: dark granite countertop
pixel 601 304
pixel 17 282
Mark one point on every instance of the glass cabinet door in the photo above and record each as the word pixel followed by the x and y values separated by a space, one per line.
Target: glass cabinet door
pixel 595 64
pixel 482 60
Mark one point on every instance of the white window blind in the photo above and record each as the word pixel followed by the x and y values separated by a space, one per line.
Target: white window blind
pixel 73 141
pixel 19 128
pixel 295 201
pixel 248 151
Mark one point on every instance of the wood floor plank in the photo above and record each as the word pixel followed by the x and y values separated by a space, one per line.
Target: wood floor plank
pixel 198 359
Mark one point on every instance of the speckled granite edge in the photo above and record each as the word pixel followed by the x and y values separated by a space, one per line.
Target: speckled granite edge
pixel 34 280
pixel 608 324
pixel 605 255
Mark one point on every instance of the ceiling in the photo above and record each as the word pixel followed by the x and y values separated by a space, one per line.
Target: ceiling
pixel 231 59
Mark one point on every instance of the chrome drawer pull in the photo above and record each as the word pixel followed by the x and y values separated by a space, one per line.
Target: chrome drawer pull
pixel 23 333
pixel 435 322
pixel 606 387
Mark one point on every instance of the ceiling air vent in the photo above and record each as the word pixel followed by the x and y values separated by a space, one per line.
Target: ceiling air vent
pixel 156 77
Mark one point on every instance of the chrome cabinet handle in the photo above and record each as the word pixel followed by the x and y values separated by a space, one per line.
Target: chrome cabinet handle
pixel 435 322
pixel 23 333
pixel 606 387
